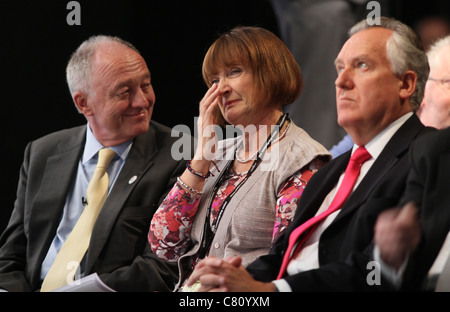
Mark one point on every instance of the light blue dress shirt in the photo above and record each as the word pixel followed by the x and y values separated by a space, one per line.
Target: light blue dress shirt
pixel 75 198
pixel 343 146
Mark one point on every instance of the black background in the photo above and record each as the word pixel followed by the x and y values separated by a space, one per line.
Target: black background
pixel 172 36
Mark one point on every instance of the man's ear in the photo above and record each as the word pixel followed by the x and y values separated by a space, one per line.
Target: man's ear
pixel 408 84
pixel 81 102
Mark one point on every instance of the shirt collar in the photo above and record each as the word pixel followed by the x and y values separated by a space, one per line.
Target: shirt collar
pixel 92 147
pixel 377 144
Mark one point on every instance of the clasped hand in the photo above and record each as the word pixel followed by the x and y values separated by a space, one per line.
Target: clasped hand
pixel 217 275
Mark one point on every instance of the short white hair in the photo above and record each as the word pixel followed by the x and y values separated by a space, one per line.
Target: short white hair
pixel 405 52
pixel 436 47
pixel 79 68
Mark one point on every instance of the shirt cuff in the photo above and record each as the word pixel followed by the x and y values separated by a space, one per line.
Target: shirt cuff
pixel 395 276
pixel 282 285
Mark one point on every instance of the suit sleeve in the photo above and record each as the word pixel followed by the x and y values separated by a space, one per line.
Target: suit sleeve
pixel 429 171
pixel 351 275
pixel 13 241
pixel 266 267
pixel 414 189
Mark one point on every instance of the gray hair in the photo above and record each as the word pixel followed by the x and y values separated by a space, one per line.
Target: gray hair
pixel 404 51
pixel 436 46
pixel 79 68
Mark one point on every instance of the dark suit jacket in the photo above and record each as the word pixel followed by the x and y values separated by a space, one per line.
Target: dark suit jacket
pixel 119 251
pixel 345 247
pixel 428 187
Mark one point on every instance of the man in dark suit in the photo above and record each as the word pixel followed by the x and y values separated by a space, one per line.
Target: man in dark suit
pixel 111 86
pixel 413 234
pixel 409 238
pixel 382 70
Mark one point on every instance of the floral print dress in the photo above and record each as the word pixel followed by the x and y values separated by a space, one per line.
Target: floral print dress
pixel 169 234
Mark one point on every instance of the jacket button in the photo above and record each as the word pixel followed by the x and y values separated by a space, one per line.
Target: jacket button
pixel 216 245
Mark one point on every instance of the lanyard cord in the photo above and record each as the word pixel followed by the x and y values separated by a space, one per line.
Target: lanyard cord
pixel 208 232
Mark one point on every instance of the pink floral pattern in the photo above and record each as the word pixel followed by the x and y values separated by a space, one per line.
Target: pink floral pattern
pixel 169 234
pixel 287 200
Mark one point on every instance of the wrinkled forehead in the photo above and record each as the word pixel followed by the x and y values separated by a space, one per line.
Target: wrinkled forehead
pixel 119 61
pixel 440 59
pixel 369 42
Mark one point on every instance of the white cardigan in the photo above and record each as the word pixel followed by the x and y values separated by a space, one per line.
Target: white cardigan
pixel 247 224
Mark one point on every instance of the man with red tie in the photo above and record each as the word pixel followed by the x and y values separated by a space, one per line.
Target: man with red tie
pixel 382 70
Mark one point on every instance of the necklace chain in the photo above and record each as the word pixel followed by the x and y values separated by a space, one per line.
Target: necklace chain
pixel 252 157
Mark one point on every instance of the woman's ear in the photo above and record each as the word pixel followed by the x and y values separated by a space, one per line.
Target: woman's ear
pixel 408 84
pixel 81 102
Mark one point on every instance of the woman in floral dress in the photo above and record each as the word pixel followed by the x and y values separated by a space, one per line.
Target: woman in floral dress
pixel 238 194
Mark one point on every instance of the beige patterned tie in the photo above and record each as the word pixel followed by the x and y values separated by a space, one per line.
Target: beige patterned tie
pixel 72 252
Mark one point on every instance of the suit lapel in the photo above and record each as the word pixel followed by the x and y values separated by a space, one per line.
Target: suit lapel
pixel 138 162
pixel 49 202
pixel 327 177
pixel 395 149
pixel 323 182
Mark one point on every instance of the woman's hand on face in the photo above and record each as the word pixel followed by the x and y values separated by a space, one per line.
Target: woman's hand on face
pixel 208 104
pixel 205 123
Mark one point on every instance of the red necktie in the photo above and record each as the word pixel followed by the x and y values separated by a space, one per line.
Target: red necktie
pixel 351 174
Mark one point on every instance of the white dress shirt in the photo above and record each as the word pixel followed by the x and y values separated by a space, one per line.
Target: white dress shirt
pixel 308 257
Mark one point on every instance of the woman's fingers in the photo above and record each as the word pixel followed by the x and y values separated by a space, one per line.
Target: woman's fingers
pixel 211 98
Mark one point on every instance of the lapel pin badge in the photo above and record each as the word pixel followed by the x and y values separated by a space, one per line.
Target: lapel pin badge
pixel 133 178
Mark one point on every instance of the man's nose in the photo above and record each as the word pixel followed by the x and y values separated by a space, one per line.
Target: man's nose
pixel 344 79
